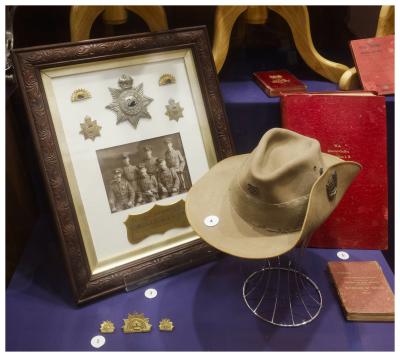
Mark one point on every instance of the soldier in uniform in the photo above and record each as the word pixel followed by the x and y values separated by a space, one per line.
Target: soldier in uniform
pixel 168 180
pixel 150 161
pixel 175 160
pixel 147 186
pixel 121 193
pixel 130 171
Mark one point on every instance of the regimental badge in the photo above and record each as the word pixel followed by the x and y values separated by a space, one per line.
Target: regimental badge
pixel 136 323
pixel 90 129
pixel 331 186
pixel 166 325
pixel 129 102
pixel 166 78
pixel 107 327
pixel 174 110
pixel 80 94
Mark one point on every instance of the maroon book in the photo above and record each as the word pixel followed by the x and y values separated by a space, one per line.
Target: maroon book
pixel 273 83
pixel 374 59
pixel 351 126
pixel 363 290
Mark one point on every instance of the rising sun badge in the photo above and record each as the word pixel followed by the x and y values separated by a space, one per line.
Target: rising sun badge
pixel 129 102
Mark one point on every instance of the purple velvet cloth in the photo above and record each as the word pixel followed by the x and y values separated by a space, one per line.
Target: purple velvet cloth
pixel 205 303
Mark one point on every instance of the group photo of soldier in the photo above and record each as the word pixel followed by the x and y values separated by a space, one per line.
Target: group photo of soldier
pixel 143 172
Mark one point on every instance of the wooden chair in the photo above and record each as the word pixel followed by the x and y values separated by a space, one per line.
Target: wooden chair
pixel 298 20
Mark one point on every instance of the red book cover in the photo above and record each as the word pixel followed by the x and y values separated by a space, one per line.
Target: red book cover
pixel 363 290
pixel 374 59
pixel 353 127
pixel 273 83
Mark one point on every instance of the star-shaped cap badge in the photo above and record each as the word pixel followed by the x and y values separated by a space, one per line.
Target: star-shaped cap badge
pixel 174 110
pixel 90 129
pixel 129 102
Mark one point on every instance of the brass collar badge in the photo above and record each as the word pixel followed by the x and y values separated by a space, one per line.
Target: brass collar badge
pixel 166 79
pixel 166 325
pixel 136 323
pixel 107 327
pixel 129 102
pixel 80 94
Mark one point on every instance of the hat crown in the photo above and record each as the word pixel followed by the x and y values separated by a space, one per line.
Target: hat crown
pixel 283 167
pixel 271 189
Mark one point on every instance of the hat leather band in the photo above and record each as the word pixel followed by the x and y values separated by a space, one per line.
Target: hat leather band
pixel 282 217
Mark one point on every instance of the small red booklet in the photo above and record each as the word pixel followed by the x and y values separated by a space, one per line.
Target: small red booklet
pixel 352 126
pixel 273 83
pixel 374 59
pixel 363 290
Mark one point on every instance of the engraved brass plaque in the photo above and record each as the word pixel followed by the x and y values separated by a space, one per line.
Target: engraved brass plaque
pixel 157 220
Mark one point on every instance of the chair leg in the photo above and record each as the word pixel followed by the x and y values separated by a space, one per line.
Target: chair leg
pixel 81 20
pixel 299 22
pixel 385 22
pixel 349 80
pixel 225 18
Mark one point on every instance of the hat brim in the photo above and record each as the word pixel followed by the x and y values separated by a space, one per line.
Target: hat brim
pixel 233 235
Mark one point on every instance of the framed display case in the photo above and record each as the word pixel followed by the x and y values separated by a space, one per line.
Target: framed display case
pixel 123 126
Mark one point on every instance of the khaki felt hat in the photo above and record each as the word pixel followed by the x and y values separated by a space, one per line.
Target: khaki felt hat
pixel 268 201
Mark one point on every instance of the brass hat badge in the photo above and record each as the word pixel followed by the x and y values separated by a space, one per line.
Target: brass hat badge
pixel 136 323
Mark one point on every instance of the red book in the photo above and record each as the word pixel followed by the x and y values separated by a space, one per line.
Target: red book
pixel 374 59
pixel 351 126
pixel 273 83
pixel 363 290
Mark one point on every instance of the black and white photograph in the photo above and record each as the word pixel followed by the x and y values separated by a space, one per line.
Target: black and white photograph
pixel 144 171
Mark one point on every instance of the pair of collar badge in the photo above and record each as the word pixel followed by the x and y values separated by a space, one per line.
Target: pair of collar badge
pixel 129 103
pixel 136 323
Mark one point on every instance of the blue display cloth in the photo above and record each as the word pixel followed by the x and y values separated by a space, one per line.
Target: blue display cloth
pixel 205 303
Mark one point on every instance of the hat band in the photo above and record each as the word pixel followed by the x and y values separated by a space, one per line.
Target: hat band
pixel 282 217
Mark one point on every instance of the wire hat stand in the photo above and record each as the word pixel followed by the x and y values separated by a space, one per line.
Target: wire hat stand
pixel 281 294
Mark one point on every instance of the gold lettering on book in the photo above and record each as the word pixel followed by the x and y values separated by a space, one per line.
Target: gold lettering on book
pixel 342 151
pixel 363 284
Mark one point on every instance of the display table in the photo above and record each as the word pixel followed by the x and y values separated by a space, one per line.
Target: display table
pixel 205 303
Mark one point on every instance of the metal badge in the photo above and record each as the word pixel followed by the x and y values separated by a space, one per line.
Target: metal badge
pixel 129 102
pixel 90 129
pixel 166 325
pixel 166 78
pixel 174 110
pixel 107 327
pixel 80 94
pixel 136 323
pixel 331 186
pixel 253 190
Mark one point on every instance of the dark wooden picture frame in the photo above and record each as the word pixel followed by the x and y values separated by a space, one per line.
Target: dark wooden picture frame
pixel 29 62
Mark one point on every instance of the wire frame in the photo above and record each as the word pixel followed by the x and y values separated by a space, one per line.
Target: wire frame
pixel 281 294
